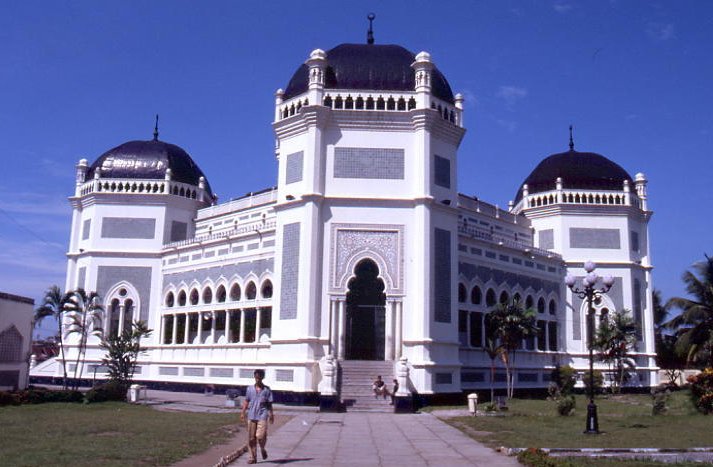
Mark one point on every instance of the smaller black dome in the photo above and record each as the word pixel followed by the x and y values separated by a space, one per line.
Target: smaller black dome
pixel 148 160
pixel 578 170
pixel 369 66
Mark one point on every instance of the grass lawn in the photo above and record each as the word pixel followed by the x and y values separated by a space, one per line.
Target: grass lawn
pixel 107 434
pixel 625 421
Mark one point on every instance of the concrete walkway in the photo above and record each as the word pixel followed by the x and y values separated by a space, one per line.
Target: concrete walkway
pixel 375 439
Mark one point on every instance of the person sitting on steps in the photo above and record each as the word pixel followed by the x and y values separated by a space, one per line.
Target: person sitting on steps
pixel 379 388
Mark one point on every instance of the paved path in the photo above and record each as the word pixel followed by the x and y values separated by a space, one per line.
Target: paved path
pixel 368 439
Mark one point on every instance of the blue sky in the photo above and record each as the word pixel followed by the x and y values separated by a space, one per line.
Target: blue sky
pixel 78 78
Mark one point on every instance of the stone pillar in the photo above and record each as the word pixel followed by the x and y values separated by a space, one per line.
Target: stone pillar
pixel 200 327
pixel 398 331
pixel 227 326
pixel 187 326
pixel 257 324
pixel 342 304
pixel 212 327
pixel 389 330
pixel 334 329
pixel 121 319
pixel 174 333
pixel 242 326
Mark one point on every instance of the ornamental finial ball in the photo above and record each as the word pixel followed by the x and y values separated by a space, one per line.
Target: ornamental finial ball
pixel 423 57
pixel 589 266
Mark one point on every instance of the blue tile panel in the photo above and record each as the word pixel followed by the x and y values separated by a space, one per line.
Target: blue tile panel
pixel 294 167
pixel 373 163
pixel 227 271
pixel 608 239
pixel 442 171
pixel 139 277
pixel 547 239
pixel 635 241
pixel 179 231
pixel 86 228
pixel 285 375
pixel 444 378
pixel 290 270
pixel 442 275
pixel 128 227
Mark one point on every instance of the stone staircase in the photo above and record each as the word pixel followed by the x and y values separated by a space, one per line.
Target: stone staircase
pixel 356 378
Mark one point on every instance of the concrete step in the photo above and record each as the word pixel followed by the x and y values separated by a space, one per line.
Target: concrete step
pixel 356 380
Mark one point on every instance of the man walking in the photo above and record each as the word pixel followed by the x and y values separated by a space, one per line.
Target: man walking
pixel 258 406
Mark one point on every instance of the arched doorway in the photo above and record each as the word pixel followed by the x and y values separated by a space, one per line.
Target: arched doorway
pixel 365 313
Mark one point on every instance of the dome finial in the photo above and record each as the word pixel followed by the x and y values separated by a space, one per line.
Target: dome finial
pixel 571 140
pixel 370 33
pixel 155 130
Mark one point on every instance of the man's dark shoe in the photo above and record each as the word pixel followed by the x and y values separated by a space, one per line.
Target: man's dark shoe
pixel 264 454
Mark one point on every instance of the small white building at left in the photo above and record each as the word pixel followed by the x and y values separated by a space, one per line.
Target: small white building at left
pixel 15 340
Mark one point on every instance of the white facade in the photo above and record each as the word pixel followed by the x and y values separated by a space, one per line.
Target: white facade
pixel 16 315
pixel 366 193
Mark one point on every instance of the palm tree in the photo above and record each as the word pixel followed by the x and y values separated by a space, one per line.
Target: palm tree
pixel 85 315
pixel 123 350
pixel 511 323
pixel 54 304
pixel 614 339
pixel 695 323
pixel 493 349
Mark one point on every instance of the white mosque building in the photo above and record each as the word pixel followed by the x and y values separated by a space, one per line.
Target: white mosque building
pixel 363 251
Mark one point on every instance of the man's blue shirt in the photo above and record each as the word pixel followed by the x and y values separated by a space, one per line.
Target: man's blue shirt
pixel 258 402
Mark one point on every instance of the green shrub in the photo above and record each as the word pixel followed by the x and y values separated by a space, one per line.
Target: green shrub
pixel 702 390
pixel 660 397
pixel 565 379
pixel 110 391
pixel 598 381
pixel 8 398
pixel 566 405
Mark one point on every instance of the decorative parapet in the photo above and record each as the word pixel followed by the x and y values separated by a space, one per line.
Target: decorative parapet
pixel 249 201
pixel 140 187
pixel 255 227
pixel 591 197
pixel 352 100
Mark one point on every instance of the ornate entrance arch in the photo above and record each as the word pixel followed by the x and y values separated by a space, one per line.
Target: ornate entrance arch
pixel 366 313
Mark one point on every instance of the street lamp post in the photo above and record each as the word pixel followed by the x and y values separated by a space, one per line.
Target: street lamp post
pixel 590 292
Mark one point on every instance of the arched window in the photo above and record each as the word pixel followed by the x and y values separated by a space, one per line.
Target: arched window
pixel 207 295
pixel 461 293
pixel 250 291
pixel 220 294
pixel 235 292
pixel 182 298
pixel 128 314
pixel 194 297
pixel 504 298
pixel 553 307
pixel 541 305
pixel 476 296
pixel 113 318
pixel 490 297
pixel 266 289
pixel 529 302
pixel 169 299
pixel 516 298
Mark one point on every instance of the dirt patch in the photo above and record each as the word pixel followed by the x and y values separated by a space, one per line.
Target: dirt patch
pixel 238 440
pixel 109 434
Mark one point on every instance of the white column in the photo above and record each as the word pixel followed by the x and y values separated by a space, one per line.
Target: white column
pixel 121 320
pixel 257 324
pixel 227 326
pixel 334 330
pixel 389 330
pixel 212 327
pixel 200 327
pixel 187 328
pixel 242 326
pixel 174 333
pixel 398 331
pixel 341 303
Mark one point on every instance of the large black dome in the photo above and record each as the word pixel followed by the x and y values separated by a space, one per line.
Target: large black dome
pixel 147 160
pixel 369 66
pixel 578 170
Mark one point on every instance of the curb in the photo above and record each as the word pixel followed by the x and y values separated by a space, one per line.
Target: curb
pixel 516 451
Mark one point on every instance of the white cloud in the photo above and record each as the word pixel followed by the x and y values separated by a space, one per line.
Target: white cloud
pixel 562 7
pixel 511 95
pixel 34 203
pixel 661 31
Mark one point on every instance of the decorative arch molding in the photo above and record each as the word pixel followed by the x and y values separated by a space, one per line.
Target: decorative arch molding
pixel 382 243
pixel 131 293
